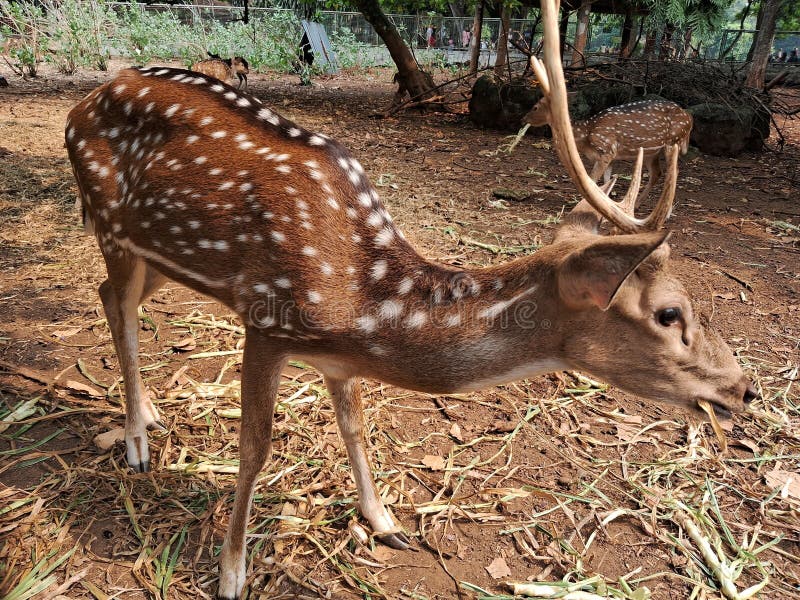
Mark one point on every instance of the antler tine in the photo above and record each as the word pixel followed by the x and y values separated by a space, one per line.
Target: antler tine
pixel 663 208
pixel 564 140
pixel 607 187
pixel 628 203
pixel 541 75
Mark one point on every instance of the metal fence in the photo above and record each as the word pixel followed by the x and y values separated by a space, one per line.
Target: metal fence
pixel 452 34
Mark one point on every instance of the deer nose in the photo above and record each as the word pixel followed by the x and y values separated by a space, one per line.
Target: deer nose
pixel 750 393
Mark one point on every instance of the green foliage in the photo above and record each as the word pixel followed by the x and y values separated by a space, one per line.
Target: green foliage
pixel 83 33
pixel 148 35
pixel 789 16
pixel 702 16
pixel 349 51
pixel 24 26
pixel 269 41
pixel 80 33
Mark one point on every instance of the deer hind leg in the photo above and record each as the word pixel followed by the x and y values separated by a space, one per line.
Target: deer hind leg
pixel 129 282
pixel 653 175
pixel 349 415
pixel 261 375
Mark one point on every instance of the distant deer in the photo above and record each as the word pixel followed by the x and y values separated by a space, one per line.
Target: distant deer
pixel 224 69
pixel 183 177
pixel 618 132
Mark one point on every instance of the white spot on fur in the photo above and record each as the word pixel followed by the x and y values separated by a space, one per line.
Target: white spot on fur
pixel 378 269
pixel 366 323
pixel 405 286
pixel 384 237
pixel 390 309
pixel 416 320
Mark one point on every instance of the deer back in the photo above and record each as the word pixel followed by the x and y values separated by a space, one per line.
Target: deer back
pixel 228 197
pixel 214 67
pixel 648 124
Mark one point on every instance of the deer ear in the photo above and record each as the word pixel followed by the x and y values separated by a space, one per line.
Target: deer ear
pixel 592 275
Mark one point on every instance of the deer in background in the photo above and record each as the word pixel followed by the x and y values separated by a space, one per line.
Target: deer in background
pixel 617 133
pixel 183 177
pixel 223 68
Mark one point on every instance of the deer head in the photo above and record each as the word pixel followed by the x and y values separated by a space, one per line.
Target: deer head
pixel 646 336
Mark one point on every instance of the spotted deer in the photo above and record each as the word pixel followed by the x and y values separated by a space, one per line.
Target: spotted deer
pixel 182 177
pixel 618 132
pixel 224 69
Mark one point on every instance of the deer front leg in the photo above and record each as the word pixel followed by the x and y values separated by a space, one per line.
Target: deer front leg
pixel 350 417
pixel 129 282
pixel 261 375
pixel 602 166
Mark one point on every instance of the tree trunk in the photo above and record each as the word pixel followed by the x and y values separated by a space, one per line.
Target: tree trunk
pixel 475 42
pixel 626 34
pixel 581 34
pixel 502 40
pixel 562 29
pixel 759 20
pixel 762 44
pixel 409 77
pixel 457 9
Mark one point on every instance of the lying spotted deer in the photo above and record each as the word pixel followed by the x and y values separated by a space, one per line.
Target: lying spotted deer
pixel 185 178
pixel 223 69
pixel 618 132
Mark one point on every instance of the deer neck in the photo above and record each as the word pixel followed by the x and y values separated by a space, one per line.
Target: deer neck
pixel 437 328
pixel 580 131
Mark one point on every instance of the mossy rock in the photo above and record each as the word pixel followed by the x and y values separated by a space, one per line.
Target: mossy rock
pixel 594 98
pixel 501 105
pixel 723 130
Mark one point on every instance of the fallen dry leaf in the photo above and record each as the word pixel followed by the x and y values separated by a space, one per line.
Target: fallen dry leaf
pixel 627 432
pixel 455 431
pixel 788 481
pixel 107 439
pixel 65 333
pixel 433 462
pixel 178 378
pixel 498 569
pixel 185 345
pixel 82 388
pixel 749 444
pixel 383 553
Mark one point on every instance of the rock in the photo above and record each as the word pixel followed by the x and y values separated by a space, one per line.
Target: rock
pixel 595 97
pixel 502 105
pixel 722 130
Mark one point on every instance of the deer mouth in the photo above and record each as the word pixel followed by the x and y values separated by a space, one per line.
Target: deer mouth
pixel 717 413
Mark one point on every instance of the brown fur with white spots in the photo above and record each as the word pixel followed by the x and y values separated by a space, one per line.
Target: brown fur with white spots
pixel 224 69
pixel 618 132
pixel 182 177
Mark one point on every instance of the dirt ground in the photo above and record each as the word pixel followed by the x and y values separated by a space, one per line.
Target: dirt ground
pixel 558 478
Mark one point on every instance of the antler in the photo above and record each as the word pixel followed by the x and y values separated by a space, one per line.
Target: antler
pixel 551 80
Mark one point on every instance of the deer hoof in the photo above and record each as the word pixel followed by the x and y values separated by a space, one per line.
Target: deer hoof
pixel 398 541
pixel 142 467
pixel 157 425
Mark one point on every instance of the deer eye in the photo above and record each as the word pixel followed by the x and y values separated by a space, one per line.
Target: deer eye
pixel 668 316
